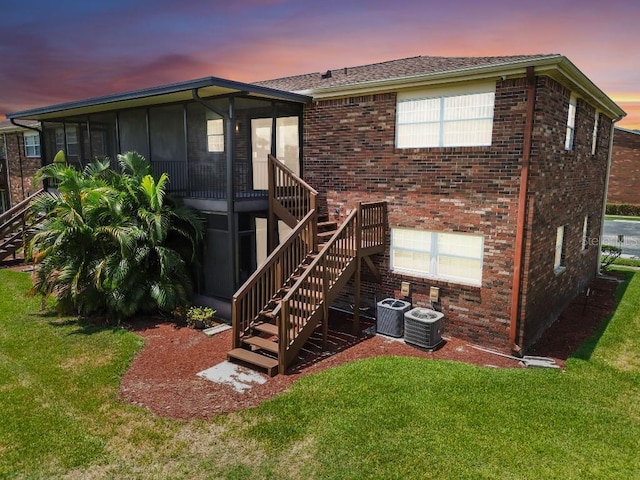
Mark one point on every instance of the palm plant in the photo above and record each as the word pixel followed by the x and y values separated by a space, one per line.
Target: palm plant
pixel 112 241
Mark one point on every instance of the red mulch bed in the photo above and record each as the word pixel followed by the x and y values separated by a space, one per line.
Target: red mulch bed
pixel 163 377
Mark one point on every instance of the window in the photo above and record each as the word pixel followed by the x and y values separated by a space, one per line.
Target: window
pixel 72 149
pixel 32 144
pixel 571 124
pixel 594 136
pixel 558 264
pixel 215 135
pixel 448 256
pixel 585 233
pixel 445 118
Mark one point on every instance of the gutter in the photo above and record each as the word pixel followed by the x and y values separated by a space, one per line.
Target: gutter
pixel 522 208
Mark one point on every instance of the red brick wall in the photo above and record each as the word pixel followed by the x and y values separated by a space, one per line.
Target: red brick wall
pixel 349 156
pixel 625 168
pixel 564 186
pixel 21 168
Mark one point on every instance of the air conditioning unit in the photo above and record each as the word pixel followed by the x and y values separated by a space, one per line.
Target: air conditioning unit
pixel 390 319
pixel 423 328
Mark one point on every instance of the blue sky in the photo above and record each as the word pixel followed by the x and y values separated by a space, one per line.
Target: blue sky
pixel 51 52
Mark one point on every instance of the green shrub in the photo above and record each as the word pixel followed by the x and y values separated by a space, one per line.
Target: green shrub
pixel 610 254
pixel 623 209
pixel 112 242
pixel 200 317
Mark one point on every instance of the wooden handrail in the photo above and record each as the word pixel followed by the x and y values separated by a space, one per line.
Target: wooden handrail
pixel 16 226
pixel 281 166
pixel 363 227
pixel 290 197
pixel 281 264
pixel 284 288
pixel 373 224
pixel 298 308
pixel 18 208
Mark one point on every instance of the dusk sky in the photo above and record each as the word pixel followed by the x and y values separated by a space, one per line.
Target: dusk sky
pixel 53 52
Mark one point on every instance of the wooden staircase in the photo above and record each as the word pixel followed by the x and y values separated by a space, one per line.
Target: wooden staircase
pixel 16 229
pixel 288 297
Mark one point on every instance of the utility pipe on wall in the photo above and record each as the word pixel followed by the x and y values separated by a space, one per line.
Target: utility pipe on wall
pixel 522 208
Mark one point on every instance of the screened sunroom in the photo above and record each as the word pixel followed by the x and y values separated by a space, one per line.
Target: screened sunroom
pixel 212 137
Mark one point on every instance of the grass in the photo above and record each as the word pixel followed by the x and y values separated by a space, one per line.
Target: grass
pixel 628 262
pixel 622 217
pixel 383 418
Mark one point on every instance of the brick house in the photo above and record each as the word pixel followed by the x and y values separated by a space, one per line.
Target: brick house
pixel 624 177
pixel 493 171
pixel 19 160
pixel 519 191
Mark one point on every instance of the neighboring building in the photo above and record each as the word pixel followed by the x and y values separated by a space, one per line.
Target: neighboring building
pixel 624 179
pixel 19 160
pixel 493 170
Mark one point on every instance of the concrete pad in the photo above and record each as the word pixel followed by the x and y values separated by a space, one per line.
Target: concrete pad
pixel 236 376
pixel 217 329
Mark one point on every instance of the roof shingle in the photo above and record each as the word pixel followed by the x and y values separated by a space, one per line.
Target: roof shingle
pixel 401 68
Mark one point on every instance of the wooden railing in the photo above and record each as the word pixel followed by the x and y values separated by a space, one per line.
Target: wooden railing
pixel 290 197
pixel 311 288
pixel 258 291
pixel 14 226
pixel 373 222
pixel 308 299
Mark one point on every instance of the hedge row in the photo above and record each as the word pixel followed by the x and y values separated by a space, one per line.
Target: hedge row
pixel 623 209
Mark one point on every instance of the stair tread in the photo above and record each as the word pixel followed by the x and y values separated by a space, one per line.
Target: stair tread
pixel 271 364
pixel 269 328
pixel 261 342
pixel 327 223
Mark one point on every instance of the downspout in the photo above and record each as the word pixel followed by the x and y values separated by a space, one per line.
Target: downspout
pixel 522 208
pixel 42 148
pixel 606 194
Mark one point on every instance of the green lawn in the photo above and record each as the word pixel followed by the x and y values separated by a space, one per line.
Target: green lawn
pixel 383 418
pixel 622 217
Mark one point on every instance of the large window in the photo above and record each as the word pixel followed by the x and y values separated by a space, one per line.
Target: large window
pixel 445 118
pixel 287 148
pixel 32 144
pixel 571 124
pixel 448 256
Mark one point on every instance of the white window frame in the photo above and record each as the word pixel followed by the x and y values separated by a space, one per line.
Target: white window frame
pixel 434 250
pixel 434 115
pixel 31 144
pixel 571 123
pixel 215 135
pixel 585 233
pixel 558 263
pixel 594 137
